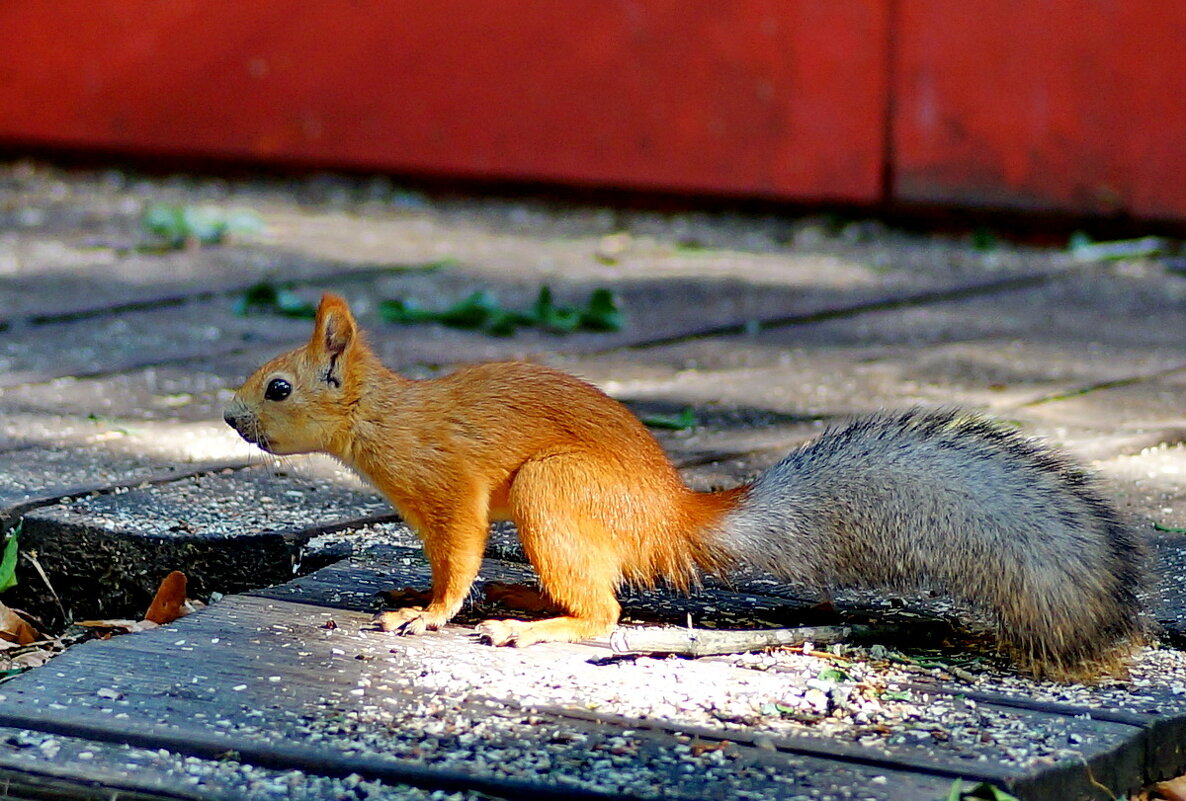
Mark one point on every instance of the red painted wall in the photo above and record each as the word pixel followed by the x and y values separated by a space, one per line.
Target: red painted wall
pixel 1028 104
pixel 774 98
pixel 1057 105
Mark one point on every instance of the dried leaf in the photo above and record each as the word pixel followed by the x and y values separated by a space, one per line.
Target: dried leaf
pixel 1174 789
pixel 32 659
pixel 169 602
pixel 15 629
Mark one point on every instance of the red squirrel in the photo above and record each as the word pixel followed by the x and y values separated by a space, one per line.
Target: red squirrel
pixel 914 499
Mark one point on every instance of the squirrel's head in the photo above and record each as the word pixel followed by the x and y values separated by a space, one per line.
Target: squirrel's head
pixel 299 401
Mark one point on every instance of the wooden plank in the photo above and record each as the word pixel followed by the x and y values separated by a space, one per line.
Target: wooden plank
pixel 1169 595
pixel 352 583
pixel 282 657
pixel 759 98
pixel 228 532
pixel 270 681
pixel 37 477
pixel 1159 711
pixel 1114 750
pixel 37 765
pixel 1055 106
pixel 175 279
pixel 1157 748
pixel 28 785
pixel 656 311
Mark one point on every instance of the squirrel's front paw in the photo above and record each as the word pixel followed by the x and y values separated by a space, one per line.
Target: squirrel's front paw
pixel 410 620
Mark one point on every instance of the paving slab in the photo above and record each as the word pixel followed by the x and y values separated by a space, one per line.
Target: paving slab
pixel 227 531
pixel 133 339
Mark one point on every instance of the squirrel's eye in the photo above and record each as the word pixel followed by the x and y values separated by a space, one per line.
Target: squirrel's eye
pixel 278 389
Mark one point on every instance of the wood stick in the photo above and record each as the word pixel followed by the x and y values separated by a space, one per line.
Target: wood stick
pixel 706 642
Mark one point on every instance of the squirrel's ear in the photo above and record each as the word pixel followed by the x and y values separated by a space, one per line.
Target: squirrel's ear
pixel 334 328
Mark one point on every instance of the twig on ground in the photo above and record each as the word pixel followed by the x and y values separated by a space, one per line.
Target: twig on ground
pixel 707 642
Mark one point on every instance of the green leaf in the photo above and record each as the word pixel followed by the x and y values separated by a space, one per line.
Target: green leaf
pixel 504 324
pixel 261 294
pixel 676 422
pixel 562 320
pixel 165 222
pixel 833 674
pixel 602 313
pixel 481 310
pixel 1083 248
pixel 543 304
pixel 8 561
pixel 404 312
pixel 983 791
pixel 266 298
pixel 551 317
pixel 205 225
pixel 473 312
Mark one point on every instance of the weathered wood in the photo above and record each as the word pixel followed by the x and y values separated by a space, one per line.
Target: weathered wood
pixel 38 478
pixel 1151 735
pixel 1117 741
pixel 48 784
pixel 706 642
pixel 254 676
pixel 228 532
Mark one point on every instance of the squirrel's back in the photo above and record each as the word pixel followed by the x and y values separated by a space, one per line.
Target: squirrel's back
pixel 951 500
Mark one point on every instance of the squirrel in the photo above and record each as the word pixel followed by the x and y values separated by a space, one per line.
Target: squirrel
pixel 895 500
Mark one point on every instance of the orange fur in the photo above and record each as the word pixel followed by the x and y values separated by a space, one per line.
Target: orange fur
pixel 595 499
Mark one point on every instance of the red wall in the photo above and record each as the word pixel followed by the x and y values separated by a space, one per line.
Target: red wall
pixel 1053 105
pixel 1077 106
pixel 773 98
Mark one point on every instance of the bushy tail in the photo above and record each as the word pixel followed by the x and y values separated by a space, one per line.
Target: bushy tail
pixel 948 500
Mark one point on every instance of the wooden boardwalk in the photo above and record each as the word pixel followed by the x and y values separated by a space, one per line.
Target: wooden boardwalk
pixel 114 459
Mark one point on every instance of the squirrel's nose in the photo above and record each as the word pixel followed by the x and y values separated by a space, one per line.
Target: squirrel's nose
pixel 230 420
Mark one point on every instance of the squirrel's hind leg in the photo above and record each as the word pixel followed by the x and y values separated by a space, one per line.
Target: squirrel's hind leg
pixel 572 552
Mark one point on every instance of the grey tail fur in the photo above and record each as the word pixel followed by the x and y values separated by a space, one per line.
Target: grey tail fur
pixel 950 500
